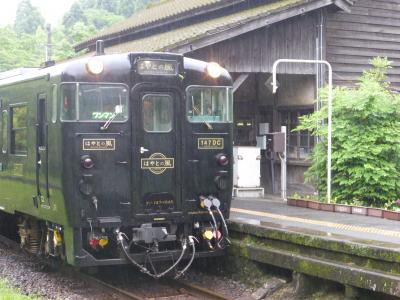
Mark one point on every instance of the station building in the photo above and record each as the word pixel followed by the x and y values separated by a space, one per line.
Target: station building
pixel 247 36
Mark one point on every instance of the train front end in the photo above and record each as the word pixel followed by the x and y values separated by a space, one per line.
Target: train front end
pixel 147 143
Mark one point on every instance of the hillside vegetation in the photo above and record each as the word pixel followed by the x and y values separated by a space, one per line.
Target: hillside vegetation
pixel 23 43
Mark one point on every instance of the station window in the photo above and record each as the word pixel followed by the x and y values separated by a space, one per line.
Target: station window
pixel 157 113
pixel 299 144
pixel 19 129
pixel 4 131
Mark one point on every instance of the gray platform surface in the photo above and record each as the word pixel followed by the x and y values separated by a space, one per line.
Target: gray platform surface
pixel 273 212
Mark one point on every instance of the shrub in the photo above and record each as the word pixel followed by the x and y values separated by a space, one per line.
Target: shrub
pixel 365 141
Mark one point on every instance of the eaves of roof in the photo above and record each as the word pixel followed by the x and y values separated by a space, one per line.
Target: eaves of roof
pixel 157 15
pixel 202 34
pixel 173 14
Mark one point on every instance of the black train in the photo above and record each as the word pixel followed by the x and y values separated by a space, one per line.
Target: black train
pixel 118 158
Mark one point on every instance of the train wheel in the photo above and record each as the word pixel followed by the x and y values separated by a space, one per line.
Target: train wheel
pixel 31 235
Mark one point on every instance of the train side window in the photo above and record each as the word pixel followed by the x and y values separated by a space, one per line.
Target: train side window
pixel 4 131
pixel 68 107
pixel 157 113
pixel 19 129
pixel 54 103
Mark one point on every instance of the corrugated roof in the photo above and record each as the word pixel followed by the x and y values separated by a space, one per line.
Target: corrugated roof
pixel 154 14
pixel 174 38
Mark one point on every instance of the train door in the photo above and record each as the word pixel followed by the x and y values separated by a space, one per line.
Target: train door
pixel 157 153
pixel 42 175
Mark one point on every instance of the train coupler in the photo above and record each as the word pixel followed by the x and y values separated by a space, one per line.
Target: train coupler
pixel 124 245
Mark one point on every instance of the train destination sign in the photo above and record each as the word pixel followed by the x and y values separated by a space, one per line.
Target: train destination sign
pixel 157 163
pixel 157 67
pixel 210 143
pixel 98 144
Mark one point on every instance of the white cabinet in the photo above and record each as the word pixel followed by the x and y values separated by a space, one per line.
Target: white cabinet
pixel 246 167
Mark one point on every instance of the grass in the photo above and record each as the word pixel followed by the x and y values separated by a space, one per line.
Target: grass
pixel 9 293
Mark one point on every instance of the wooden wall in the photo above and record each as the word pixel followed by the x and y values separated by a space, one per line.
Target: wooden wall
pixel 256 51
pixel 371 29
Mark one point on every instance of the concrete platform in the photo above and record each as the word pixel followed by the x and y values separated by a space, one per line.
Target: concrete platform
pixel 274 212
pixel 357 251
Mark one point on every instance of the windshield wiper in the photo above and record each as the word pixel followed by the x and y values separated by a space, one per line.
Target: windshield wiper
pixel 204 121
pixel 208 125
pixel 108 122
pixel 117 111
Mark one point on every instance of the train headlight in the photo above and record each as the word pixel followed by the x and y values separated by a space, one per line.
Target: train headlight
pixel 95 66
pixel 222 159
pixel 214 70
pixel 87 162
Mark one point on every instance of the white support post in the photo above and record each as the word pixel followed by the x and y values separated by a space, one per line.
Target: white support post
pixel 284 168
pixel 330 98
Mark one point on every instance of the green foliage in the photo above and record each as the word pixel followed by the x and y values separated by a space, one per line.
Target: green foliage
pixel 23 45
pixel 73 16
pixel 28 18
pixel 20 50
pixel 101 18
pixel 8 293
pixel 365 141
pixel 80 32
pixel 102 13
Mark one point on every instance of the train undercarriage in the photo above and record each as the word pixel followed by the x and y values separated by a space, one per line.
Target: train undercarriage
pixel 145 245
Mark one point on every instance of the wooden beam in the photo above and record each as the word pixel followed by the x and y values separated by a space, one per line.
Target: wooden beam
pixel 239 81
pixel 343 5
pixel 268 19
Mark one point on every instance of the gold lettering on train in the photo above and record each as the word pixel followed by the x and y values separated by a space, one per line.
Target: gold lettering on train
pixel 98 144
pixel 210 143
pixel 157 163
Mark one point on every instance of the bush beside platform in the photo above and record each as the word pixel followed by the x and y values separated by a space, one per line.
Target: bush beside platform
pixel 344 208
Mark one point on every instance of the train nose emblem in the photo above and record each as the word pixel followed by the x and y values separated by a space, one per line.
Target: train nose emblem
pixel 157 163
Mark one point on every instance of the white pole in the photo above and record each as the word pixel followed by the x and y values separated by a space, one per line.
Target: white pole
pixel 284 168
pixel 330 99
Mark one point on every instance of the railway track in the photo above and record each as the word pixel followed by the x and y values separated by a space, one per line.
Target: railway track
pixel 168 289
pixel 148 288
pixel 8 242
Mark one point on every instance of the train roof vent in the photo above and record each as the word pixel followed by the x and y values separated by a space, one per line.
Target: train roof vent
pixel 16 72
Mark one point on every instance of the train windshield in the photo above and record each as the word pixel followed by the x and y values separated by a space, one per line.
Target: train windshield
pixel 94 102
pixel 209 104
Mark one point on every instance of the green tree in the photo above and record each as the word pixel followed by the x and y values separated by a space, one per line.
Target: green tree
pixel 28 18
pixel 21 50
pixel 101 18
pixel 62 47
pixel 88 3
pixel 126 8
pixel 73 16
pixel 108 5
pixel 365 141
pixel 23 45
pixel 80 32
